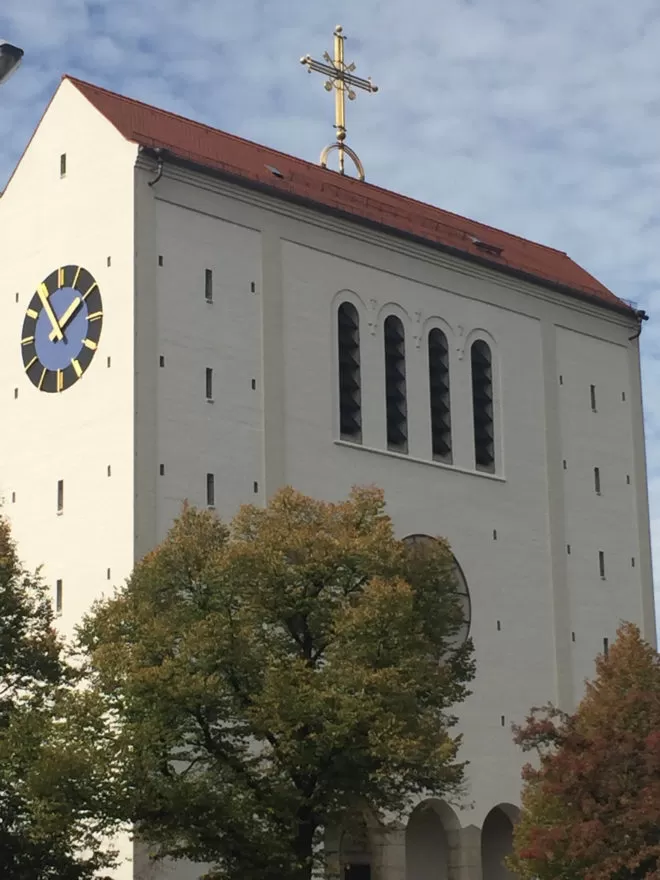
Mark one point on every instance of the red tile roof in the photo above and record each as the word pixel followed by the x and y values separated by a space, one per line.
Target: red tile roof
pixel 251 163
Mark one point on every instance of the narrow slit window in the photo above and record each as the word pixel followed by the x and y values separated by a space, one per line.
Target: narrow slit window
pixel 63 165
pixel 606 646
pixel 60 496
pixel 601 563
pixel 597 480
pixel 210 490
pixel 350 380
pixel 58 596
pixel 440 396
pixel 208 285
pixel 209 383
pixel 592 394
pixel 482 406
pixel 395 385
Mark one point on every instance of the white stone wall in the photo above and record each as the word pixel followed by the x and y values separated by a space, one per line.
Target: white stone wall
pixel 523 578
pixel 48 221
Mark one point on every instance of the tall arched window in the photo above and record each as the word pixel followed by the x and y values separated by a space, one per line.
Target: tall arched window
pixel 350 390
pixel 439 395
pixel 395 385
pixel 482 405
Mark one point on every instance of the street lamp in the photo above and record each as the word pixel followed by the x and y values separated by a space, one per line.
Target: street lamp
pixel 10 58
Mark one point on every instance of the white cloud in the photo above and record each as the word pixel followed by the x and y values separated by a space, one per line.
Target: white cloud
pixel 542 118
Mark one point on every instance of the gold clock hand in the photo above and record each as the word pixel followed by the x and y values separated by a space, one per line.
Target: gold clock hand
pixel 42 291
pixel 66 317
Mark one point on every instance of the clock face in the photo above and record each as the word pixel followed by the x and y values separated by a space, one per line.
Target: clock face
pixel 462 593
pixel 62 328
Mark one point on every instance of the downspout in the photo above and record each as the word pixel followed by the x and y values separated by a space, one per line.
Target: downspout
pixel 641 316
pixel 159 170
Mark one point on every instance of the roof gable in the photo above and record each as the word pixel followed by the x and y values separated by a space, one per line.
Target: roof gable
pixel 216 150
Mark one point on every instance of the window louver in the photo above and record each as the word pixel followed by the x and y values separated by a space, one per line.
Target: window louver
pixel 440 398
pixel 350 391
pixel 482 405
pixel 395 385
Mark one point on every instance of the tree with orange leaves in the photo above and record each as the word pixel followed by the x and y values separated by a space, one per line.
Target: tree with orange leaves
pixel 591 806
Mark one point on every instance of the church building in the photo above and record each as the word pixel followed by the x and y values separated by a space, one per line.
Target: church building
pixel 189 315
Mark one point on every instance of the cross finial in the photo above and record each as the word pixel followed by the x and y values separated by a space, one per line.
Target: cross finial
pixel 341 79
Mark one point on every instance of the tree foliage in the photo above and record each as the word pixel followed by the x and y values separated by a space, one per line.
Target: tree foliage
pixel 591 806
pixel 51 782
pixel 269 675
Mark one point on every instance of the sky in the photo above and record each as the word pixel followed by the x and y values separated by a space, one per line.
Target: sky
pixel 540 117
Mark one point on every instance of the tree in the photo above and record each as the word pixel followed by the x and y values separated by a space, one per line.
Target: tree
pixel 49 775
pixel 591 806
pixel 271 675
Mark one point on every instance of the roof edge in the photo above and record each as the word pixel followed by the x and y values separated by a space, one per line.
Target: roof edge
pixel 621 307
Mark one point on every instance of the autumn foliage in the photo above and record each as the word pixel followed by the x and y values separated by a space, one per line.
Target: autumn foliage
pixel 269 675
pixel 591 805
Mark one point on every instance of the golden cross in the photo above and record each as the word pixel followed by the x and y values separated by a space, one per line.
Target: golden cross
pixel 341 79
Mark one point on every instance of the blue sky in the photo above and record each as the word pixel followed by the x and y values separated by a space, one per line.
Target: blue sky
pixel 541 117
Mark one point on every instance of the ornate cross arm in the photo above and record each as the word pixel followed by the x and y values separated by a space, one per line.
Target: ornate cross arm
pixel 340 78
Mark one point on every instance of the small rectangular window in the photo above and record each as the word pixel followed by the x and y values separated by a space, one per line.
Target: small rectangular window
pixel 597 480
pixel 161 470
pixel 109 470
pixel 623 395
pixel 63 165
pixel 210 490
pixel 160 259
pixel 632 561
pixel 161 360
pixel 628 479
pixel 572 636
pixel 601 563
pixel 60 496
pixel 208 285
pixel 592 392
pixel 606 646
pixel 209 383
pixel 58 596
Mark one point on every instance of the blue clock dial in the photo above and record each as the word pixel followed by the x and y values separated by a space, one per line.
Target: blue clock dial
pixel 62 328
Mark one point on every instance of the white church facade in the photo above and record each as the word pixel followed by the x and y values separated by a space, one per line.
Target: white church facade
pixel 186 315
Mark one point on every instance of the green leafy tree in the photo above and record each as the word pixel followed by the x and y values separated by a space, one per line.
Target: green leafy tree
pixel 591 805
pixel 52 785
pixel 271 675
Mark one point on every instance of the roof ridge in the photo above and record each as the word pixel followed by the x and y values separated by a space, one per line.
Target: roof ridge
pixel 306 164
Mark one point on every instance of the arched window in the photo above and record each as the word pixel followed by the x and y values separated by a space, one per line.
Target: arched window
pixel 482 405
pixel 417 543
pixel 439 395
pixel 350 390
pixel 395 385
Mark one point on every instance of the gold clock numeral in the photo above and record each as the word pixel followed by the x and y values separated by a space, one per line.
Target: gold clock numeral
pixel 90 290
pixel 27 339
pixel 76 366
pixel 75 280
pixel 41 380
pixel 95 317
pixel 32 313
pixel 90 344
pixel 60 277
pixel 60 380
pixel 34 360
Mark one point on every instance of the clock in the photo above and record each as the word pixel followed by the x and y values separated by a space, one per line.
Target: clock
pixel 417 543
pixel 62 328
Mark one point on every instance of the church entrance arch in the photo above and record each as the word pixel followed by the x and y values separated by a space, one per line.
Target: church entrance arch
pixel 355 856
pixel 497 842
pixel 431 838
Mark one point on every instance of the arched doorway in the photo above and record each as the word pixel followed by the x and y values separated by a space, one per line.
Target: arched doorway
pixel 355 858
pixel 430 834
pixel 497 842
